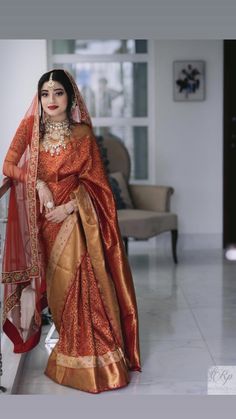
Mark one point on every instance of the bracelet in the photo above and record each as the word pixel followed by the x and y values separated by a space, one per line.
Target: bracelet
pixel 74 203
pixel 66 211
pixel 39 184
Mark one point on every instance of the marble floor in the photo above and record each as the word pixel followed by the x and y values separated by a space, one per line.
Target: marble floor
pixel 187 325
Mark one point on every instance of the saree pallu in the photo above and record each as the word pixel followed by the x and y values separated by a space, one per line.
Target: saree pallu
pixel 90 289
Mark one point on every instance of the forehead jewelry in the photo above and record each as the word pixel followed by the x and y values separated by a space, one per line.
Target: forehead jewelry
pixel 51 83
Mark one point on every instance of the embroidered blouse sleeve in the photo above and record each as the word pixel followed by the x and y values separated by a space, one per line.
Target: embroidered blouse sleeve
pixel 11 167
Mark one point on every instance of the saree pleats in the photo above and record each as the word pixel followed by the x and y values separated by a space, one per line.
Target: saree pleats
pixel 91 380
pixel 90 352
pixel 86 356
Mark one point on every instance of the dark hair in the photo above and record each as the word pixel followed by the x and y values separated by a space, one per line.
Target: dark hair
pixel 61 77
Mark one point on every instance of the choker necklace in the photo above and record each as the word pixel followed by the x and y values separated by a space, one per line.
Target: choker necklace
pixel 54 137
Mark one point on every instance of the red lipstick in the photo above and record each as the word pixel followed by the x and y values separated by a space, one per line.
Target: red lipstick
pixel 52 107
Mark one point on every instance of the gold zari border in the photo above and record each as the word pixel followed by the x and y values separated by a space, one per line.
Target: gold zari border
pixel 19 276
pixel 89 361
pixel 59 244
pixel 12 300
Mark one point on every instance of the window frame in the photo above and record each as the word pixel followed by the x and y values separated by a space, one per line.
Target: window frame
pixel 149 121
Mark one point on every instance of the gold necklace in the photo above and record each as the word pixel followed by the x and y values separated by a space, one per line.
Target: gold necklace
pixel 54 137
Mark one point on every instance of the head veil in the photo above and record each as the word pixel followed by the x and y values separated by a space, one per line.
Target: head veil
pixel 23 268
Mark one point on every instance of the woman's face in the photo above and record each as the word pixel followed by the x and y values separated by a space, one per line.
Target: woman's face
pixel 54 101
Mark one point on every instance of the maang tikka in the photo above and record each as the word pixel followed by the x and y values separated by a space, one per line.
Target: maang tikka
pixel 51 83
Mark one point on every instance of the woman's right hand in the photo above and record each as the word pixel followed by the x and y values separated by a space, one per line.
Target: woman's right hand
pixel 45 196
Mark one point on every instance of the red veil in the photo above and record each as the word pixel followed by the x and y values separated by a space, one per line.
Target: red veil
pixel 23 269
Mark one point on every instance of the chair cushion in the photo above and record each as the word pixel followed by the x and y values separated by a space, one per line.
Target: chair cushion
pixel 142 224
pixel 114 154
pixel 120 190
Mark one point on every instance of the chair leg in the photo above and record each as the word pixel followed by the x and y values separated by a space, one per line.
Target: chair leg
pixel 174 238
pixel 125 239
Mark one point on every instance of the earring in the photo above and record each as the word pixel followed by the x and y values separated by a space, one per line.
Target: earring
pixel 74 103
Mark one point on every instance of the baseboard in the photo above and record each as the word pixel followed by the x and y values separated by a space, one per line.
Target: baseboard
pixel 162 243
pixel 200 241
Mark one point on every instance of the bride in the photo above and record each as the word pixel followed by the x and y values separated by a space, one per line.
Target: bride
pixel 63 246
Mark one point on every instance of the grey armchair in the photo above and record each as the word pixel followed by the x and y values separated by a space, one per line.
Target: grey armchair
pixel 150 214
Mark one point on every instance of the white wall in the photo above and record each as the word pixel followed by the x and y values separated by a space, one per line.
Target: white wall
pixel 22 64
pixel 189 141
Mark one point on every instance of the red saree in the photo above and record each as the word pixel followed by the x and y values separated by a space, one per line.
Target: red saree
pixel 79 266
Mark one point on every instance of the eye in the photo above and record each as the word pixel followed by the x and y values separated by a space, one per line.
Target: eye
pixel 44 94
pixel 60 93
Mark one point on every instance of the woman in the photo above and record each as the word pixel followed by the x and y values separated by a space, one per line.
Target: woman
pixel 63 245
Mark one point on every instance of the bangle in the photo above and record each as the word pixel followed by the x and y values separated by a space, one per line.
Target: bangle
pixel 75 205
pixel 66 210
pixel 39 184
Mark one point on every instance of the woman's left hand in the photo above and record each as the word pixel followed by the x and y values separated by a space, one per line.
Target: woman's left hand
pixel 57 215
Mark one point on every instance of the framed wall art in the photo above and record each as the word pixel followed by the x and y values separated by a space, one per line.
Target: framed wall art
pixel 188 80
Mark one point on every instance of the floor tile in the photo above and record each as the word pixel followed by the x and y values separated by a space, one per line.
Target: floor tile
pixel 187 315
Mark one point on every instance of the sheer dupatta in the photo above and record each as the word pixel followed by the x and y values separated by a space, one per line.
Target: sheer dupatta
pixel 23 272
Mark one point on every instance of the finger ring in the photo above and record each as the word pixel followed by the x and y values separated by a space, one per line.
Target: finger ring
pixel 49 204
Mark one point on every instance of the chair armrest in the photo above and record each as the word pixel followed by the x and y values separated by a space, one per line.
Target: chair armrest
pixel 151 197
